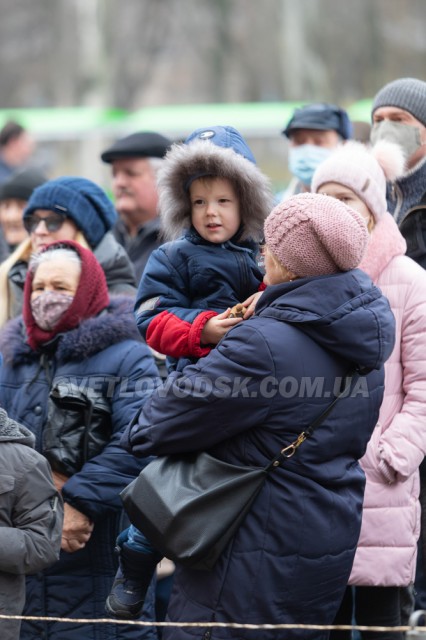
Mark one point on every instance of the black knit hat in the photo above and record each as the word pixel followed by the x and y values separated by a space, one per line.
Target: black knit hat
pixel 144 144
pixel 408 94
pixel 21 185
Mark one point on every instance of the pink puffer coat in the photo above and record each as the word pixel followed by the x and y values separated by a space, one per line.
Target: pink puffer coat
pixel 387 548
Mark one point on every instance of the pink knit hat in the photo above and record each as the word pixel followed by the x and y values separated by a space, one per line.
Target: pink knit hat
pixel 315 235
pixel 364 171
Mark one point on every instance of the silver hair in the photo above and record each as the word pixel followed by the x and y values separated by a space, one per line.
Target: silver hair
pixel 64 254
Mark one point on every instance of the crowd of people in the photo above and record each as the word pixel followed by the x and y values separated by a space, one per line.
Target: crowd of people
pixel 113 311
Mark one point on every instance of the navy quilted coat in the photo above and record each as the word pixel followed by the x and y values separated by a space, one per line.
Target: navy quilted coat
pixel 106 354
pixel 185 283
pixel 269 377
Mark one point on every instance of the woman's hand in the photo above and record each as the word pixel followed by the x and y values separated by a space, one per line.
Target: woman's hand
pixel 250 304
pixel 76 530
pixel 216 327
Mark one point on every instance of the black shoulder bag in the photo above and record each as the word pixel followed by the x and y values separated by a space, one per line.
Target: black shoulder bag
pixel 78 426
pixel 190 506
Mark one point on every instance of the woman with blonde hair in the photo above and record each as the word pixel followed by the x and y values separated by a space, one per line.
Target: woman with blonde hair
pixel 66 208
pixel 74 373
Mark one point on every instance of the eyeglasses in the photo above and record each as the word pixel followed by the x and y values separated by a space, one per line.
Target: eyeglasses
pixel 53 222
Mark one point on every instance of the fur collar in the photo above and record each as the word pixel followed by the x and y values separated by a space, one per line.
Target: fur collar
pixel 386 242
pixel 204 157
pixel 93 335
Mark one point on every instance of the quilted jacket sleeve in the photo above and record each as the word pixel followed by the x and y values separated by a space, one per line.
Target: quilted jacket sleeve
pixel 163 308
pixel 95 489
pixel 221 385
pixel 402 445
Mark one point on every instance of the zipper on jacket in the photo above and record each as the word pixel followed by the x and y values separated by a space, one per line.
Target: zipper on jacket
pixel 245 280
pixel 54 507
pixel 417 207
pixel 396 195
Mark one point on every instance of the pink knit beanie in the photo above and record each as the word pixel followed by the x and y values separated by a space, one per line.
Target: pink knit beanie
pixel 315 235
pixel 364 171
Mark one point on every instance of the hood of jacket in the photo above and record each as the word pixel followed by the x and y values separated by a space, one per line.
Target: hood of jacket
pixel 11 431
pixel 202 157
pixel 385 243
pixel 113 325
pixel 344 313
pixel 117 266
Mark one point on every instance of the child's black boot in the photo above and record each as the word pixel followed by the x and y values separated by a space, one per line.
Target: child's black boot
pixel 131 583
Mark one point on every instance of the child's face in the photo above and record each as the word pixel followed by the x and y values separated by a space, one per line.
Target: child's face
pixel 349 197
pixel 215 209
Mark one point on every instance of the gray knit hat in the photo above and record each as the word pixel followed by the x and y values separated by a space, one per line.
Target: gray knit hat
pixel 405 93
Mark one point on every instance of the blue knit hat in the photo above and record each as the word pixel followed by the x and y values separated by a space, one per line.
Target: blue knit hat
pixel 79 199
pixel 225 137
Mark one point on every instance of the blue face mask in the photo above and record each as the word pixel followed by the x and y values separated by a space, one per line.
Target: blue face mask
pixel 305 159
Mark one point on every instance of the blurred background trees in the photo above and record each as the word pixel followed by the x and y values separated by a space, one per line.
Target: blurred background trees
pixel 133 54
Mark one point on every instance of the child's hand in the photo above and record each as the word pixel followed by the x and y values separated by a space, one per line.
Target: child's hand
pixel 237 311
pixel 216 327
pixel 250 304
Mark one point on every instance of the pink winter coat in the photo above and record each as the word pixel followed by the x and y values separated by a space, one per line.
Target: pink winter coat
pixel 387 548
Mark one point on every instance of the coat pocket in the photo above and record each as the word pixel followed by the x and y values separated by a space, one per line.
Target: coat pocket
pixel 7 483
pixel 78 427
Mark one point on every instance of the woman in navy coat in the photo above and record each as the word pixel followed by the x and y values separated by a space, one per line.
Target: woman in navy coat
pixel 265 382
pixel 75 361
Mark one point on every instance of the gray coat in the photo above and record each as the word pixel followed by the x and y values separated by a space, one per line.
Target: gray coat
pixel 31 515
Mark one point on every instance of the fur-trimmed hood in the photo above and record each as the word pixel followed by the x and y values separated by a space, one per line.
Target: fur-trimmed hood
pixel 203 157
pixel 93 335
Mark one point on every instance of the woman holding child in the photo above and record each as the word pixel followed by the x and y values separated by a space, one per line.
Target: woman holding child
pixel 320 318
pixel 71 374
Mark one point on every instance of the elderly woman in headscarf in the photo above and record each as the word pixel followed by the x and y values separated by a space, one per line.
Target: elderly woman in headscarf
pixel 66 208
pixel 74 372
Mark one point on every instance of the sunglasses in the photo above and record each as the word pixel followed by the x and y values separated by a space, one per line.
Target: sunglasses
pixel 53 222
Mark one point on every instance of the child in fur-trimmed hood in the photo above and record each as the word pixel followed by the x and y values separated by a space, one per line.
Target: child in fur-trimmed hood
pixel 213 203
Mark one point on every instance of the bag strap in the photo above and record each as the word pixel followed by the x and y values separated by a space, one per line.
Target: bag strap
pixel 290 450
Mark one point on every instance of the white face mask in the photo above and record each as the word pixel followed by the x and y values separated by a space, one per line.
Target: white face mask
pixel 405 135
pixel 304 159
